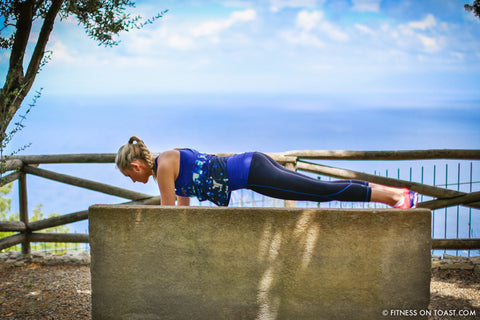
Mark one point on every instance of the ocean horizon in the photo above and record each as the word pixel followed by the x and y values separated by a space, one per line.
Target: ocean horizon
pixel 238 123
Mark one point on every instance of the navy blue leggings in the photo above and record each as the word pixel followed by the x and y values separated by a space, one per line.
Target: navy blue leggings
pixel 269 178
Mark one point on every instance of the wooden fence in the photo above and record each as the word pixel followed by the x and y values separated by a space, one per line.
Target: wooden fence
pixel 20 166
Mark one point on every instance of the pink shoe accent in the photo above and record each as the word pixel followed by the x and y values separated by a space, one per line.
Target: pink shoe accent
pixel 410 200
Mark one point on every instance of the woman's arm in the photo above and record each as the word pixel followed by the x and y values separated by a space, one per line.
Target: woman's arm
pixel 167 173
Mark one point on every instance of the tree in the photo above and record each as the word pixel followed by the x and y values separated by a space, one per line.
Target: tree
pixel 102 20
pixel 5 202
pixel 475 8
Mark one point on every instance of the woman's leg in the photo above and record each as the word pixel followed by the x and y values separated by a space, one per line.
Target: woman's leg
pixel 271 179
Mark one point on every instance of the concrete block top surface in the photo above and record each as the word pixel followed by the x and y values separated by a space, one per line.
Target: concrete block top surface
pixel 243 210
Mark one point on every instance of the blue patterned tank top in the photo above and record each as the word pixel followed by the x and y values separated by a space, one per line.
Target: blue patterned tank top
pixel 204 176
pixel 209 177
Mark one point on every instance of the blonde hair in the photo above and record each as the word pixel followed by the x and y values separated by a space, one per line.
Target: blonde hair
pixel 135 149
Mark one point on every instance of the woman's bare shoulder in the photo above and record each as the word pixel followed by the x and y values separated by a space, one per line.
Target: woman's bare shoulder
pixel 169 156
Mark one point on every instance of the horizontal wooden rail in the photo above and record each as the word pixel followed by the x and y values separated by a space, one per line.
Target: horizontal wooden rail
pixel 303 154
pixel 66 158
pixel 9 178
pixel 6 226
pixel 281 158
pixel 88 184
pixel 470 199
pixel 150 201
pixel 456 244
pixel 386 155
pixel 11 241
pixel 63 219
pixel 14 164
pixel 58 221
pixel 58 237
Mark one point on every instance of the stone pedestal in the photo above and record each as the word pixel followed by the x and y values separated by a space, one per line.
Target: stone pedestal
pixel 152 262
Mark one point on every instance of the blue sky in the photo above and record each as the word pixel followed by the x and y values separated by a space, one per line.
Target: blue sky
pixel 403 73
pixel 299 46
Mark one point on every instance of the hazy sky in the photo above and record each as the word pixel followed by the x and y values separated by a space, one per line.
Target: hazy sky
pixel 307 57
pixel 299 46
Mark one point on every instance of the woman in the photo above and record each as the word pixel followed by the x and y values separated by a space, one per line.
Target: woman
pixel 186 172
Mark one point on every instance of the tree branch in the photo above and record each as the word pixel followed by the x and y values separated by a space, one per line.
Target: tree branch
pixel 24 26
pixel 39 51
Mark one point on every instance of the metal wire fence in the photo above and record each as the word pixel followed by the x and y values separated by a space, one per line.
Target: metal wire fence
pixel 447 223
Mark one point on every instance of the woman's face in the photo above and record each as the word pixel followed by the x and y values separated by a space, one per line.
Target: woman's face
pixel 138 171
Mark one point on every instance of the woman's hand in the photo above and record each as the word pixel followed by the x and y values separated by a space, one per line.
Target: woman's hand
pixel 183 201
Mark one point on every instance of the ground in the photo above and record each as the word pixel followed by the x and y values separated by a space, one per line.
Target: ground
pixel 34 291
pixel 39 292
pixel 455 290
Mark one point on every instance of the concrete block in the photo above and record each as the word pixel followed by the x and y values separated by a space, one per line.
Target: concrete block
pixel 152 262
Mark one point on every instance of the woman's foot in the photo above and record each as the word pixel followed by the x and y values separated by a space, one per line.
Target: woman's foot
pixel 408 201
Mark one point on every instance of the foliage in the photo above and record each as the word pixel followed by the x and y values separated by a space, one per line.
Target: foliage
pixel 475 8
pixel 5 203
pixel 5 215
pixel 18 126
pixel 103 20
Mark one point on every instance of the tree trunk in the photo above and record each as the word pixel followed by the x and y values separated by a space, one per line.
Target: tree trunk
pixel 17 85
pixel 11 94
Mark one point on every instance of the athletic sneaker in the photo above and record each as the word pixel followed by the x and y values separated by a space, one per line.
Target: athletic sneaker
pixel 409 201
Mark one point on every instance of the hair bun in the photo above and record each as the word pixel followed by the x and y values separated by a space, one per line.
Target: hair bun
pixel 134 139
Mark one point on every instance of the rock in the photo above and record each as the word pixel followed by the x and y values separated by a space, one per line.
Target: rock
pixel 11 255
pixel 476 269
pixel 449 256
pixel 475 260
pixel 458 265
pixel 19 263
pixel 16 258
pixel 456 262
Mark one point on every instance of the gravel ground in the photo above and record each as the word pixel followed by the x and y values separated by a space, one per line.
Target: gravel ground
pixel 34 291
pixel 454 291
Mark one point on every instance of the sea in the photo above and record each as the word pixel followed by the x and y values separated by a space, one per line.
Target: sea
pixel 236 122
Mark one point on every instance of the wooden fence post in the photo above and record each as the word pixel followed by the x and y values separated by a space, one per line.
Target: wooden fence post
pixel 290 203
pixel 22 193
